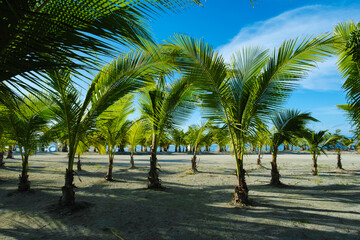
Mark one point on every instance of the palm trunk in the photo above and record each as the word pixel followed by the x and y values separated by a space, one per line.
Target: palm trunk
pixel 175 148
pixel 241 195
pixel 275 176
pixel 314 170
pixel 258 161
pixel 108 176
pixel 68 194
pixel 10 153
pixel 339 165
pixel 132 163
pixel 2 159
pixel 153 176
pixel 193 163
pixel 79 163
pixel 24 183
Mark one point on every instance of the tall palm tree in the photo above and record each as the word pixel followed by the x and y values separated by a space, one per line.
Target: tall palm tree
pixel 163 106
pixel 125 74
pixel 317 141
pixel 252 88
pixel 41 35
pixel 113 126
pixel 288 125
pixel 27 118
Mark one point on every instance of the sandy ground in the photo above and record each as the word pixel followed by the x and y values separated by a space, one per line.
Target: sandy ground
pixel 192 206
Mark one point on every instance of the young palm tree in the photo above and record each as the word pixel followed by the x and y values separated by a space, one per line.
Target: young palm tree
pixel 127 73
pixel 136 134
pixel 253 88
pixel 163 106
pixel 316 142
pixel 261 139
pixel 339 141
pixel 198 137
pixel 221 136
pixel 113 127
pixel 27 118
pixel 288 124
pixel 177 136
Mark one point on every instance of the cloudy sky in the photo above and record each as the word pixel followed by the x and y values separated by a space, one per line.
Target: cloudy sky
pixel 229 25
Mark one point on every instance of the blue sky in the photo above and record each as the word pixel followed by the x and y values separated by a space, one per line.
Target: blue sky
pixel 229 25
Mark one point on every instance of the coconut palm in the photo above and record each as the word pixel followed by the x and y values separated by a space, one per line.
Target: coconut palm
pixel 136 134
pixel 288 125
pixel 198 138
pixel 340 141
pixel 221 136
pixel 260 140
pixel 41 35
pixel 347 35
pixel 27 119
pixel 177 136
pixel 163 106
pixel 113 127
pixel 125 74
pixel 317 141
pixel 254 86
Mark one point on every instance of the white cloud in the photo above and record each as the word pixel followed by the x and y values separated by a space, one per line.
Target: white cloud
pixel 304 21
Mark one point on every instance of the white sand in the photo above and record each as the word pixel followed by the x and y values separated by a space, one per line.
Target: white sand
pixel 192 207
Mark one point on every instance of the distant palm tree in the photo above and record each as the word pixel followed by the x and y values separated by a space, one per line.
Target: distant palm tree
pixel 317 141
pixel 125 74
pixel 198 136
pixel 113 127
pixel 136 134
pixel 252 88
pixel 162 105
pixel 339 141
pixel 27 118
pixel 288 125
pixel 261 139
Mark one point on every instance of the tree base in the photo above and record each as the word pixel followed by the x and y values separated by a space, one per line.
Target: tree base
pixel 68 194
pixel 24 184
pixel 154 181
pixel 241 196
pixel 108 178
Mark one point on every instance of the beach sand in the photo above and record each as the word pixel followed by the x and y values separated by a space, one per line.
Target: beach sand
pixel 198 206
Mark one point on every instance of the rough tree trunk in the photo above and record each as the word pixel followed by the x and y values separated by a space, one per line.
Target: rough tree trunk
pixel 108 176
pixel 2 159
pixel 176 148
pixel 241 195
pixel 79 163
pixel 314 170
pixel 275 176
pixel 193 164
pixel 132 163
pixel 24 183
pixel 153 176
pixel 68 194
pixel 10 153
pixel 339 165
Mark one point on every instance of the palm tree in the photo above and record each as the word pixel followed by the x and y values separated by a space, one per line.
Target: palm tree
pixel 113 127
pixel 347 35
pixel 339 141
pixel 125 74
pixel 177 136
pixel 288 125
pixel 42 35
pixel 221 136
pixel 27 118
pixel 261 138
pixel 136 134
pixel 253 88
pixel 164 106
pixel 198 138
pixel 316 142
